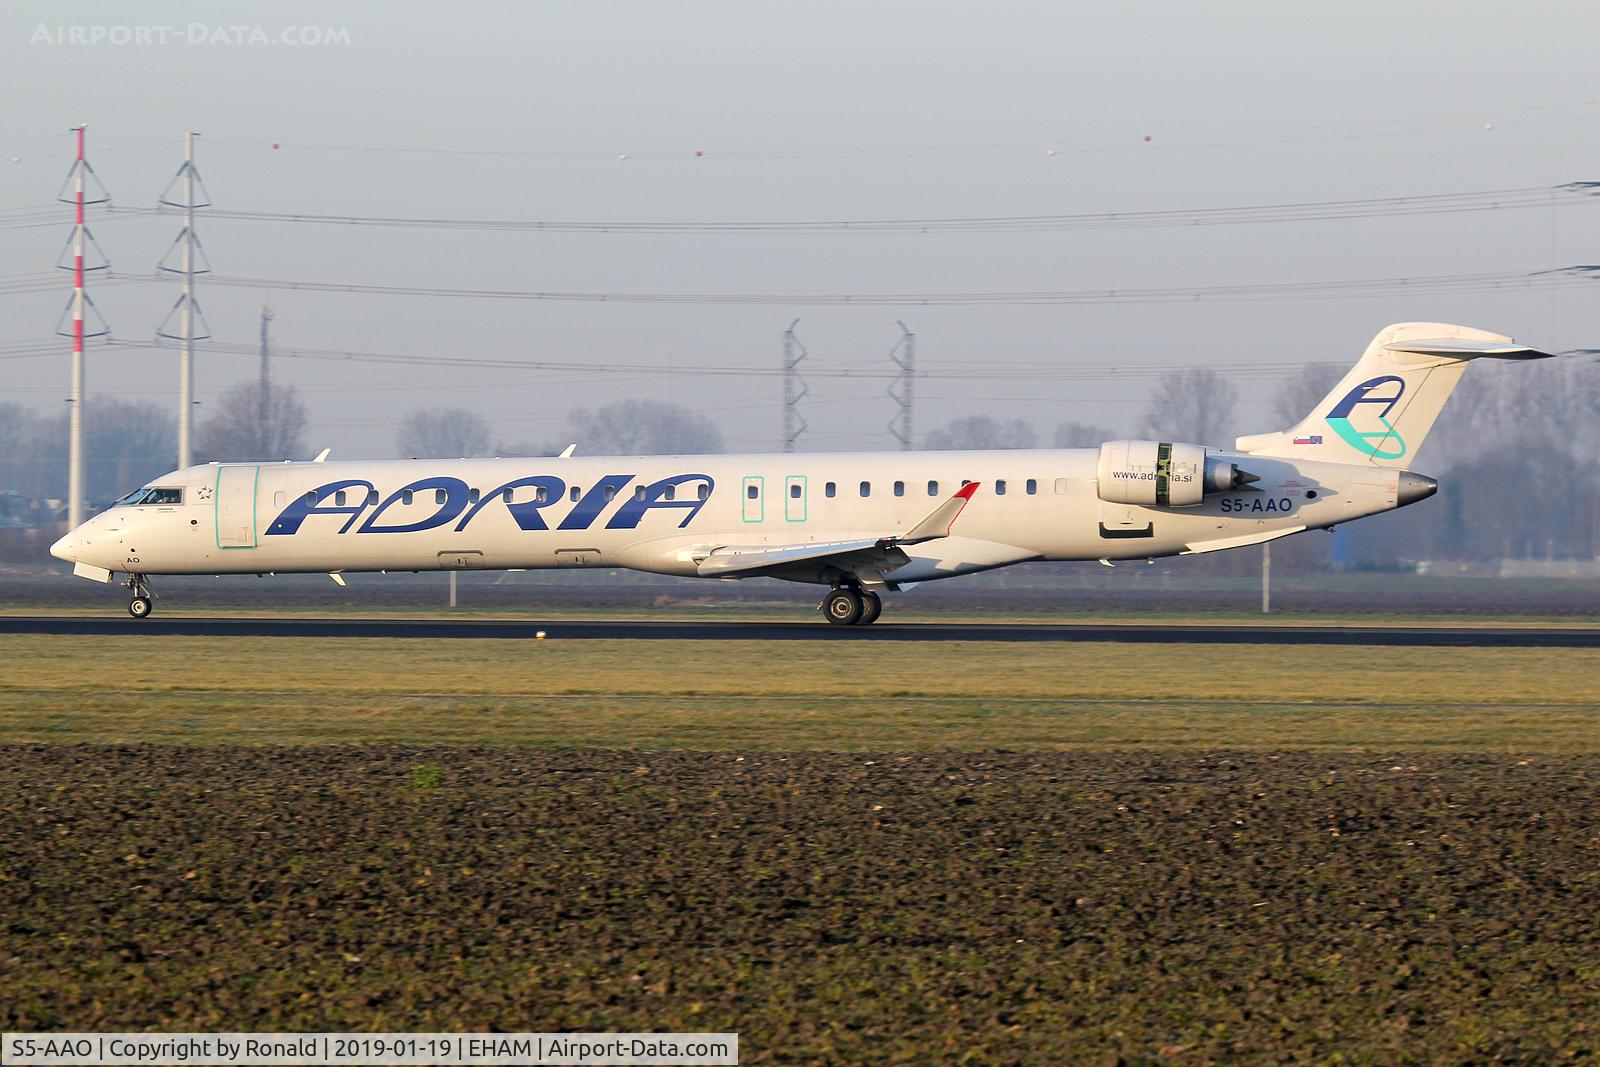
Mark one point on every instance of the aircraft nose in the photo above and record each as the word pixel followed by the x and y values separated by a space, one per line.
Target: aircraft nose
pixel 1414 487
pixel 67 547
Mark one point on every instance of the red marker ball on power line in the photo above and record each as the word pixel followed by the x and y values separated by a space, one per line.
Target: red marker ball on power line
pixel 274 145
pixel 1147 137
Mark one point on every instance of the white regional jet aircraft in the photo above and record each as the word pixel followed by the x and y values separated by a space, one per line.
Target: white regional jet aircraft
pixel 858 523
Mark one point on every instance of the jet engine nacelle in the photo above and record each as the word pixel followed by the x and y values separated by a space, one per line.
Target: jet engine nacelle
pixel 1163 474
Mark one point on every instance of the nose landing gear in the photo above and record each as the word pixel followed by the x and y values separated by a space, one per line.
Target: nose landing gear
pixel 143 602
pixel 850 606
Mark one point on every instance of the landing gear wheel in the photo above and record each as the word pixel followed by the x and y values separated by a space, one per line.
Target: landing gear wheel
pixel 842 607
pixel 139 607
pixel 871 608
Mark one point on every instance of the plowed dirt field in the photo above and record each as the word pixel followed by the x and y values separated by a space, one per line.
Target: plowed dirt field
pixel 1178 906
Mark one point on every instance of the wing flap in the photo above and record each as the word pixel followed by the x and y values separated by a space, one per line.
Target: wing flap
pixel 736 560
pixel 1195 548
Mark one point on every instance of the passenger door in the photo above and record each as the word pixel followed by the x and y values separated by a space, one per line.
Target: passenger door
pixel 236 506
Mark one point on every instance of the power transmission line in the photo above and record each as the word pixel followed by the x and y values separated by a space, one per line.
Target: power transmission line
pixel 961 370
pixel 1362 287
pixel 1570 194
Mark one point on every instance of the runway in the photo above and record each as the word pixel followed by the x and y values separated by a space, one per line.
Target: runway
pixel 632 630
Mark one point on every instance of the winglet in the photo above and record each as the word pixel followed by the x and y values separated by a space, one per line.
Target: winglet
pixel 566 453
pixel 942 518
pixel 322 457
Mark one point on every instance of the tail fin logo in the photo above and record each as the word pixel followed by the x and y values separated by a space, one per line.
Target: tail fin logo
pixel 1370 433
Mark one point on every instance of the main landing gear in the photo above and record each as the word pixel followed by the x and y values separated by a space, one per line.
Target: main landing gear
pixel 846 606
pixel 143 602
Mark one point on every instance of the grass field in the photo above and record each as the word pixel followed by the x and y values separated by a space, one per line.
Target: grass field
pixel 953 852
pixel 801 696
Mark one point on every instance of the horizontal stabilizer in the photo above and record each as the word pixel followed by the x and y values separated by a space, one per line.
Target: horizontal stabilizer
pixel 1468 349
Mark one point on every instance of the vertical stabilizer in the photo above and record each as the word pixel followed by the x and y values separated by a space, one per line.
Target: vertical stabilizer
pixel 1383 409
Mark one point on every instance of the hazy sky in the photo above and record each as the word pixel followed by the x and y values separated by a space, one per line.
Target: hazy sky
pixel 817 111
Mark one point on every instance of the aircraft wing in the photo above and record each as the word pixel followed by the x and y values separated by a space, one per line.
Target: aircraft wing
pixel 868 557
pixel 745 562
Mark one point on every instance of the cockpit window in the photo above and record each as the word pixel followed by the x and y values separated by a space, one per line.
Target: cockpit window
pixel 153 496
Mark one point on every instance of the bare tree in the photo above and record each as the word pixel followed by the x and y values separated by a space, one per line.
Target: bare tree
pixel 981 432
pixel 126 444
pixel 28 462
pixel 1299 394
pixel 644 428
pixel 1194 407
pixel 443 433
pixel 232 433
pixel 1082 435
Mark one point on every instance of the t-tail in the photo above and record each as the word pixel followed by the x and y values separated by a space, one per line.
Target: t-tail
pixel 1383 409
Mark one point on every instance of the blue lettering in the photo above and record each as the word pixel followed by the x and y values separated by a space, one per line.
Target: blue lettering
pixel 308 504
pixel 547 490
pixel 594 502
pixel 455 499
pixel 629 514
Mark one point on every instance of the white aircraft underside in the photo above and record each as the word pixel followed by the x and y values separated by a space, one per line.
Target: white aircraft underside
pixel 859 523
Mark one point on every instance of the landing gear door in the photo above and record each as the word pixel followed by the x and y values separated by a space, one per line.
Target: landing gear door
pixel 236 506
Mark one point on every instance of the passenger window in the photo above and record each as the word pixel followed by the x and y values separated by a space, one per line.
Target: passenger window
pixel 506 496
pixel 542 495
pixel 1000 487
pixel 339 498
pixel 279 499
pixel 752 491
pixel 671 493
pixel 311 498
pixel 472 496
pixel 611 493
pixel 406 497
pixel 638 493
pixel 441 495
pixel 575 494
pixel 705 491
pixel 933 488
pixel 794 491
pixel 1061 487
pixel 1033 486
pixel 899 488
pixel 372 497
pixel 829 489
pixel 866 488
